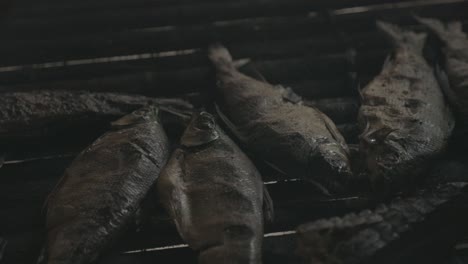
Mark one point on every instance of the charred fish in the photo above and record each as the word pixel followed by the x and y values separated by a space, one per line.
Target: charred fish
pixel 214 194
pixel 367 237
pixel 40 114
pixel 405 119
pixel 272 122
pixel 454 77
pixel 103 187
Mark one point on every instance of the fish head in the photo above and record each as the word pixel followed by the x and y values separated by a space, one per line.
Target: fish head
pixel 201 130
pixel 149 113
pixel 381 153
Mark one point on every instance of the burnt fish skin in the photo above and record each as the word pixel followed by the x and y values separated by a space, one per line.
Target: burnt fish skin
pixel 402 231
pixel 272 122
pixel 405 119
pixel 40 114
pixel 103 188
pixel 214 194
pixel 455 63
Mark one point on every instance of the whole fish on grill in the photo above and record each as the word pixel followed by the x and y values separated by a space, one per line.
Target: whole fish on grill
pixel 39 114
pixel 103 188
pixel 215 195
pixel 272 122
pixel 405 119
pixel 401 232
pixel 454 76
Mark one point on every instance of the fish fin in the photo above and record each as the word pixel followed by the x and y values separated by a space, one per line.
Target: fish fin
pixel 359 90
pixel 220 57
pixel 241 62
pixel 258 75
pixel 2 159
pixel 138 218
pixel 274 167
pixel 42 258
pixel 445 84
pixel 268 209
pixel 181 116
pixel 322 189
pixel 232 128
pixel 331 127
pixel 434 25
pixel 387 62
pixel 174 103
pixel 172 175
pixel 378 135
pixel 402 38
pixel 3 244
pixel 289 95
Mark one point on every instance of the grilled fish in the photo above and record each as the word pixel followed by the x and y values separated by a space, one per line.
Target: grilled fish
pixel 103 188
pixel 272 122
pixel 215 195
pixel 403 113
pixel 48 113
pixel 368 237
pixel 454 78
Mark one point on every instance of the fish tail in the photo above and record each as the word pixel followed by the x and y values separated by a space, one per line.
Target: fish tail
pixel 401 38
pixel 220 57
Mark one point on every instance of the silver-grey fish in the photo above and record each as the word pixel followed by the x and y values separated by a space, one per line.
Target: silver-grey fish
pixel 215 195
pixel 272 122
pixel 103 188
pixel 363 237
pixel 404 116
pixel 454 78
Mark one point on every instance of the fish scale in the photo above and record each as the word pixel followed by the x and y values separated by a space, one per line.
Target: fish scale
pixel 215 195
pixel 454 77
pixel 357 238
pixel 410 123
pixel 103 188
pixel 272 122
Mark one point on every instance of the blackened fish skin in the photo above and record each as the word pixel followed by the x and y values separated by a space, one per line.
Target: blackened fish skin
pixel 405 119
pixel 356 238
pixel 103 187
pixel 38 114
pixel 214 194
pixel 455 64
pixel 274 124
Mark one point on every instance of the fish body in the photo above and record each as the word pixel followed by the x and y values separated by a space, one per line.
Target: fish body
pixel 404 116
pixel 40 114
pixel 454 77
pixel 214 194
pixel 103 188
pixel 367 237
pixel 272 122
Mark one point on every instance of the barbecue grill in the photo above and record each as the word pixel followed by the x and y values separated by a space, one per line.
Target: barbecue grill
pixel 323 49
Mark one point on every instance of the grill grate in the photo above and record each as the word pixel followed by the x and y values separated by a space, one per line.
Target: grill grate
pixel 156 48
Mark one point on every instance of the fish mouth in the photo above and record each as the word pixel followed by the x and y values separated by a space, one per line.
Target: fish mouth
pixel 382 167
pixel 201 131
pixel 331 169
pixel 204 121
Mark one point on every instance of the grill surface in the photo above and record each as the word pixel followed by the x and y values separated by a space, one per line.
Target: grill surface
pixel 156 48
